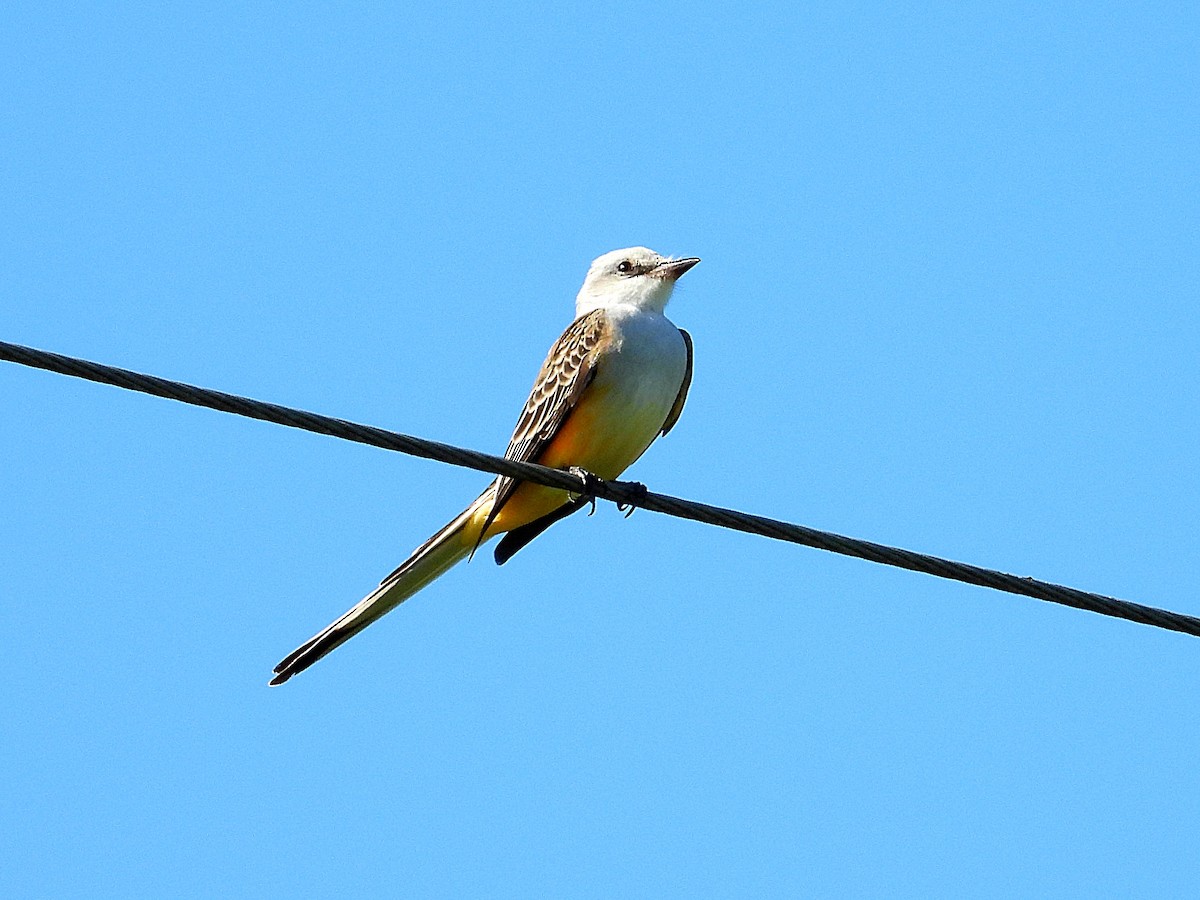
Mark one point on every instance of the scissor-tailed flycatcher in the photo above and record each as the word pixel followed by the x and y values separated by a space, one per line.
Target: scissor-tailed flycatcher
pixel 616 379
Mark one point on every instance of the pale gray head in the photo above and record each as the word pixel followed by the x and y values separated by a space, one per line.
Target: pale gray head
pixel 634 277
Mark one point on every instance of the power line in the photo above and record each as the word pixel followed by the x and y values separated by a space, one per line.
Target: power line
pixel 628 493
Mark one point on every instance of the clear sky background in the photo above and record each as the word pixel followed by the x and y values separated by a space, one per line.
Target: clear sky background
pixel 948 301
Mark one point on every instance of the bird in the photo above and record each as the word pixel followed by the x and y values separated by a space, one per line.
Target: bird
pixel 614 381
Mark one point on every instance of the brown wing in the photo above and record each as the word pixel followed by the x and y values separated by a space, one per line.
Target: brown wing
pixel 567 371
pixel 681 398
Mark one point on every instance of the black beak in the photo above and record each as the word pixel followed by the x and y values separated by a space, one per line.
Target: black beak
pixel 670 269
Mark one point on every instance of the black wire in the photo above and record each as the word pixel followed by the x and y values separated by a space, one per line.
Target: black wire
pixel 627 493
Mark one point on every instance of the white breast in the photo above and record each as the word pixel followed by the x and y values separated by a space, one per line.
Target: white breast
pixel 648 356
pixel 638 378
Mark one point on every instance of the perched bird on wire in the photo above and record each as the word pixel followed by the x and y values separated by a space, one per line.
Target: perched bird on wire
pixel 614 381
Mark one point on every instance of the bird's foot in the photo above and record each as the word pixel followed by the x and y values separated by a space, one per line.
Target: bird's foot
pixel 589 485
pixel 639 492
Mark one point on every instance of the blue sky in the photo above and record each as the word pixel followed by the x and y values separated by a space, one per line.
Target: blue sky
pixel 948 301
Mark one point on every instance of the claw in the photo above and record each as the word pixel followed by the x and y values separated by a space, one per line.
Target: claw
pixel 589 485
pixel 639 492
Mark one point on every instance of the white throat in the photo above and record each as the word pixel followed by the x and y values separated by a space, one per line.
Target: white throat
pixel 642 294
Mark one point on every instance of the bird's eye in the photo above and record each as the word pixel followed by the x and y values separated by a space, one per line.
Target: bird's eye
pixel 624 267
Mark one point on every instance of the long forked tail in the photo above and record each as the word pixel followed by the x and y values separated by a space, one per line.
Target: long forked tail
pixel 430 560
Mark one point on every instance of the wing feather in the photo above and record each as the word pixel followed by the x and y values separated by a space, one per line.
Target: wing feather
pixel 568 370
pixel 681 397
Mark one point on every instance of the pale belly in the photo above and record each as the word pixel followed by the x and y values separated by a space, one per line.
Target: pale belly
pixel 621 414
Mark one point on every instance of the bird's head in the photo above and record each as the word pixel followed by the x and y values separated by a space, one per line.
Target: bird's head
pixel 635 277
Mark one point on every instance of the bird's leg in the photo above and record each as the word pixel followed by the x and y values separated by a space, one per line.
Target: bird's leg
pixel 589 485
pixel 639 492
